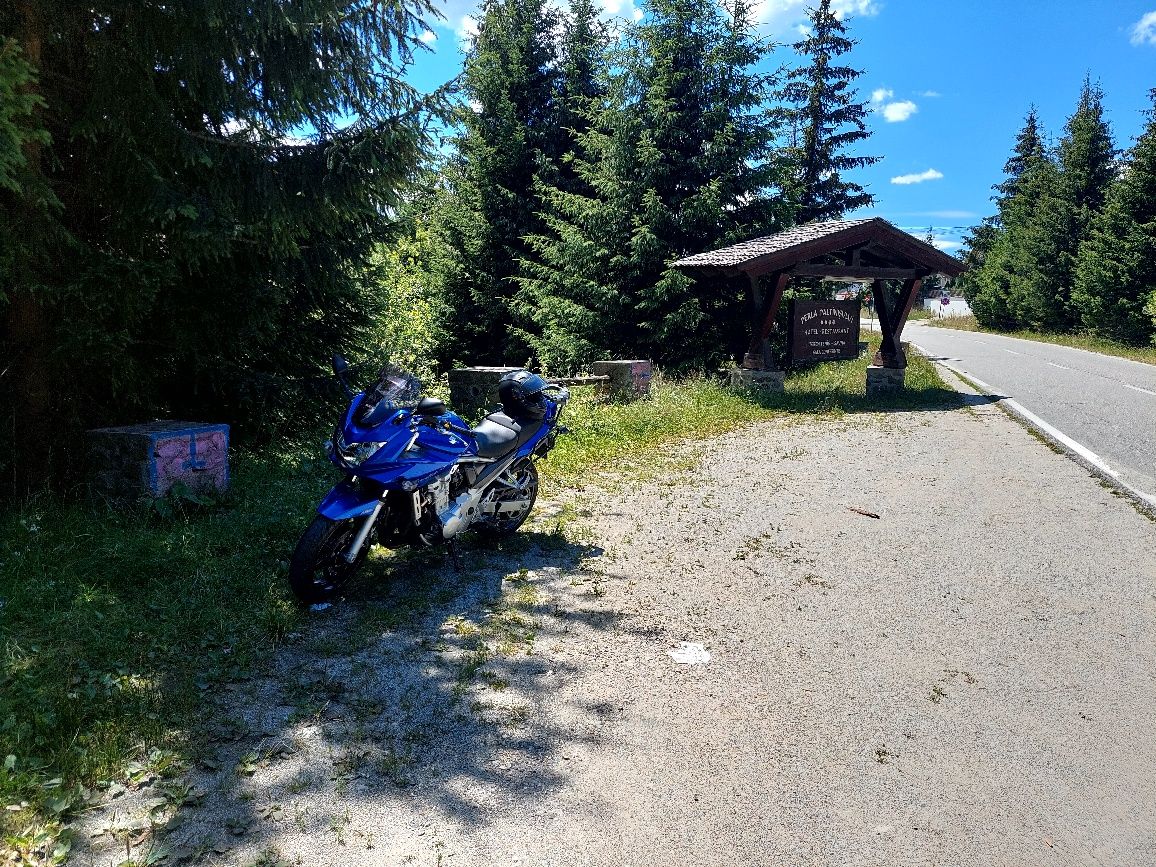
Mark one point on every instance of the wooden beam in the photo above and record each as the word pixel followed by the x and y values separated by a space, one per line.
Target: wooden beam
pixel 854 272
pixel 759 352
pixel 907 297
pixel 755 358
pixel 886 354
pixel 770 263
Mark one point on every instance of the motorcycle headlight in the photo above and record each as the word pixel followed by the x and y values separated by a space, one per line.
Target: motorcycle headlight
pixel 354 453
pixel 362 452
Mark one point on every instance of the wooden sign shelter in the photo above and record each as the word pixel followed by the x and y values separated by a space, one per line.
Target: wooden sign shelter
pixel 843 250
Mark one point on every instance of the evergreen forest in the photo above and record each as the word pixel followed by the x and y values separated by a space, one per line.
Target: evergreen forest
pixel 200 205
pixel 197 212
pixel 1072 245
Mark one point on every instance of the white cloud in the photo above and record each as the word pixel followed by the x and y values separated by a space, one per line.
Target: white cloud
pixel 941 244
pixel 1144 30
pixel 919 178
pixel 883 102
pixel 461 17
pixel 931 94
pixel 613 8
pixel 428 37
pixel 897 112
pixel 467 28
pixel 782 16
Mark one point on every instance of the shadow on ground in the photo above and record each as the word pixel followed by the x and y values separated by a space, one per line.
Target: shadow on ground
pixel 417 695
pixel 825 400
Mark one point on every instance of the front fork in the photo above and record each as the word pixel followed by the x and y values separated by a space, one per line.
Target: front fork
pixel 363 534
pixel 367 526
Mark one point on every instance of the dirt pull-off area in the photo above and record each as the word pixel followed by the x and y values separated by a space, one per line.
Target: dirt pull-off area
pixel 967 679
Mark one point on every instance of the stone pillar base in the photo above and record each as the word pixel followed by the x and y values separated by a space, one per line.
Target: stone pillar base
pixel 628 379
pixel 885 380
pixel 761 380
pixel 475 389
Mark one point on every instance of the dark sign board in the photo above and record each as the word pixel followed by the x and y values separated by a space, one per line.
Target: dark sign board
pixel 824 330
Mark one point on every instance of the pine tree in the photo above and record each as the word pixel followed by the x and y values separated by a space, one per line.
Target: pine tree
pixel 1030 150
pixel 211 195
pixel 828 120
pixel 19 103
pixel 679 158
pixel 1063 205
pixel 1116 265
pixel 581 82
pixel 993 249
pixel 509 142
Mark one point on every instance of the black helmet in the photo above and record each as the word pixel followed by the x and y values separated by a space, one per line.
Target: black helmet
pixel 521 394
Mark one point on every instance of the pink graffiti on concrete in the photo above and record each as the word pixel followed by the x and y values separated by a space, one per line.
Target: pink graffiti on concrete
pixel 200 460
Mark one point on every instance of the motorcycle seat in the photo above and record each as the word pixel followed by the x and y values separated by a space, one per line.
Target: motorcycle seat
pixel 498 433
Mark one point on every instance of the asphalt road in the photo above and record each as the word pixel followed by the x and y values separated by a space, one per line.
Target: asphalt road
pixel 1105 404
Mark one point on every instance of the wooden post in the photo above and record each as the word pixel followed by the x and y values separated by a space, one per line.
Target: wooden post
pixel 756 357
pixel 885 357
pixel 759 353
pixel 906 299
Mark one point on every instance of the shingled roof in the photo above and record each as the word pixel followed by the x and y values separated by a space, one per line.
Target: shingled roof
pixel 811 240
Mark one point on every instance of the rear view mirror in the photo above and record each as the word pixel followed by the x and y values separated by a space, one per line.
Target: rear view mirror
pixel 341 370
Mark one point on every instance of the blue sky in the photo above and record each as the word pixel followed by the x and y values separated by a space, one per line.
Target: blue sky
pixel 950 82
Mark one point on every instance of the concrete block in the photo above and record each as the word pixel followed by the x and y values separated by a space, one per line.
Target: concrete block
pixel 761 380
pixel 126 463
pixel 885 380
pixel 629 380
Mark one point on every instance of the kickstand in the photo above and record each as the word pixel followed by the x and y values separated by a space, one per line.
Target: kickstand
pixel 453 546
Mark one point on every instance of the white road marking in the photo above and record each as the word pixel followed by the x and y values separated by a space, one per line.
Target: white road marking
pixel 1056 434
pixel 1060 366
pixel 1013 352
pixel 1060 437
pixel 1083 451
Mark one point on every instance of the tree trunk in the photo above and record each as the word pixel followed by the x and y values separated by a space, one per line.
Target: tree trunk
pixel 26 330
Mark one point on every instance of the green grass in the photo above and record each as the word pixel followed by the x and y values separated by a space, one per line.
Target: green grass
pixel 625 440
pixel 115 626
pixel 1146 354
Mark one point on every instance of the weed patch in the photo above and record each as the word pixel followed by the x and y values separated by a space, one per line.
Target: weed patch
pixel 611 444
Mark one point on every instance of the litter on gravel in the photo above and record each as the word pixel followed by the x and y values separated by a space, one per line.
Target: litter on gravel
pixel 689 653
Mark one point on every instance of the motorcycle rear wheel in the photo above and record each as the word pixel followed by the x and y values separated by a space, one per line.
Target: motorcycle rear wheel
pixel 318 569
pixel 526 475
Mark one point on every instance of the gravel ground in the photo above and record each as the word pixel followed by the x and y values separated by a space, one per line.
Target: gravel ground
pixel 968 678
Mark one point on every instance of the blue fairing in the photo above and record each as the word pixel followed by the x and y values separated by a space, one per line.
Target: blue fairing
pixel 403 459
pixel 346 500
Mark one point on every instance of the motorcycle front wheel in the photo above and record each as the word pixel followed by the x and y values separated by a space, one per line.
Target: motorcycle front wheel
pixel 318 569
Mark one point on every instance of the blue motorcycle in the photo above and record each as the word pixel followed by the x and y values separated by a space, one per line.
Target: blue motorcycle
pixel 416 474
